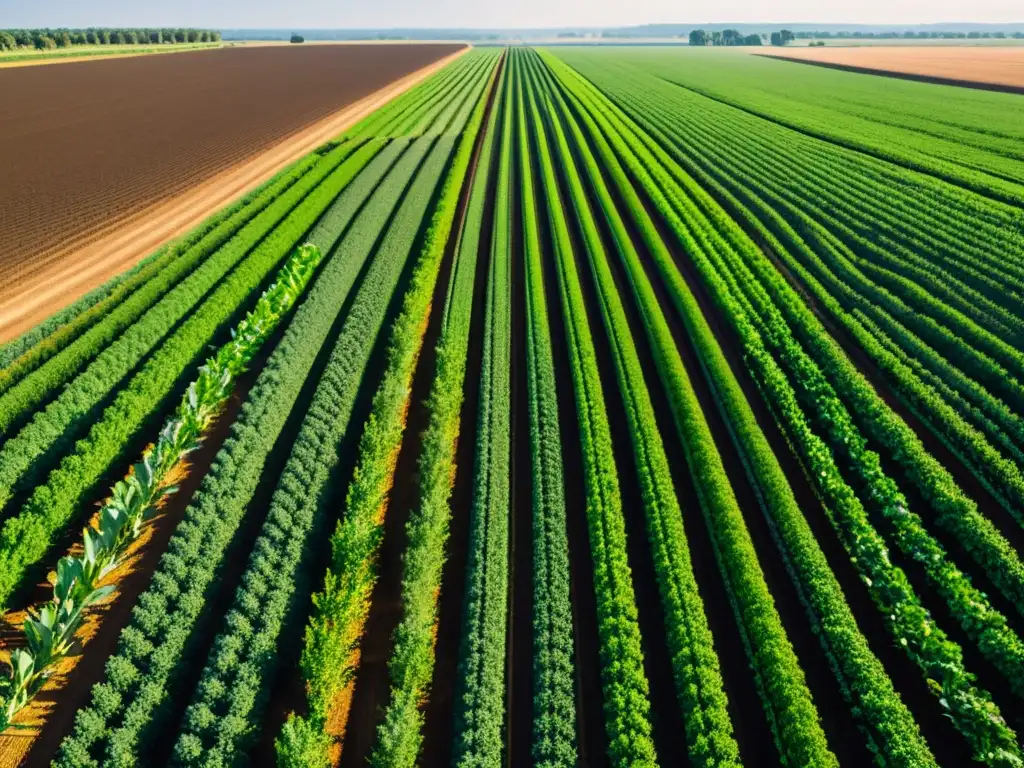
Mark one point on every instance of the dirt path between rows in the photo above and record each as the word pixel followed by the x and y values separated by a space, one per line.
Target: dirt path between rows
pixel 122 243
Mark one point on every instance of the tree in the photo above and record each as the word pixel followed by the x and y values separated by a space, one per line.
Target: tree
pixel 43 42
pixel 732 37
pixel 782 37
pixel 298 39
pixel 192 35
pixel 62 39
pixel 752 40
pixel 716 38
pixel 7 42
pixel 202 35
pixel 215 36
pixel 698 37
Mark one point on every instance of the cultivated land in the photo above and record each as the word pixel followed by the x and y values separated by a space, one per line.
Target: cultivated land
pixel 992 66
pixel 85 173
pixel 623 407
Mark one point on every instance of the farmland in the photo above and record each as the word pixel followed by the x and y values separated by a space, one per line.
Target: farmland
pixel 579 407
pixel 85 171
pixel 992 67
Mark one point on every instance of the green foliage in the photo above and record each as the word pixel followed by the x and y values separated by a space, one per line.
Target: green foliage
pixel 554 706
pixel 699 684
pixel 26 537
pixel 480 687
pixel 336 627
pixel 50 631
pixel 154 647
pixel 233 688
pixel 970 708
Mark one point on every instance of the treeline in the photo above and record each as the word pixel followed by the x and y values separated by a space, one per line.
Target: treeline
pixel 41 39
pixel 725 37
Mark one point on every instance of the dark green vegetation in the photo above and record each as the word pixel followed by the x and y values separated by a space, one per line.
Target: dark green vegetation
pixel 647 407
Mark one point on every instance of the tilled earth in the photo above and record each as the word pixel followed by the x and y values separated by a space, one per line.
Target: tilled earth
pixel 84 145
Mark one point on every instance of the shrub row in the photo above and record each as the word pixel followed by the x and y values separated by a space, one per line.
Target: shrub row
pixel 233 688
pixel 50 632
pixel 781 682
pixel 955 512
pixel 698 678
pixel 336 627
pixel 480 687
pixel 888 724
pixel 411 666
pixel 142 677
pixel 26 537
pixel 554 706
pixel 941 660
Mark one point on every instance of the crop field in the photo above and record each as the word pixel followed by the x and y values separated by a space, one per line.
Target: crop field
pixel 645 407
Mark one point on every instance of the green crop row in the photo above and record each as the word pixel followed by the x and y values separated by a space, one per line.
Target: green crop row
pixel 972 711
pixel 335 629
pixel 955 512
pixel 141 677
pixel 971 608
pixel 781 682
pixel 1001 476
pixel 554 707
pixel 411 665
pixel 698 679
pixel 23 456
pixel 233 688
pixel 819 103
pixel 26 537
pixel 891 730
pixel 480 688
pixel 50 632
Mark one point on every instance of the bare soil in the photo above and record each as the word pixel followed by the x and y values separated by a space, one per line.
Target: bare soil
pixel 92 187
pixel 995 68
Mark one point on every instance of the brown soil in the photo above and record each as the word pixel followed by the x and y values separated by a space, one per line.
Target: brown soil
pixel 199 136
pixel 39 728
pixel 995 68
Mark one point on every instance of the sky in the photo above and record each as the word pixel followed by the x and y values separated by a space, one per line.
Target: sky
pixel 350 14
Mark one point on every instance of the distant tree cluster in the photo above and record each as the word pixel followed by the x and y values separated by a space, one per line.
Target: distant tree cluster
pixel 725 37
pixel 297 39
pixel 782 37
pixel 42 39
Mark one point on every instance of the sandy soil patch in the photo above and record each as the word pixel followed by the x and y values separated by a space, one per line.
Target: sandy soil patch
pixel 1002 66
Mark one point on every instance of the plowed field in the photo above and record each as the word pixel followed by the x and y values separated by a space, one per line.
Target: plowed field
pixel 995 67
pixel 85 146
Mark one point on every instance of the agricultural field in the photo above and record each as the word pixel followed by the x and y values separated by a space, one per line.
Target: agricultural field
pixel 581 406
pixel 90 177
pixel 981 66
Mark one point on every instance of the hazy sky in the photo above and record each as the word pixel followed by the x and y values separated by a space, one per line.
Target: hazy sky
pixel 490 13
